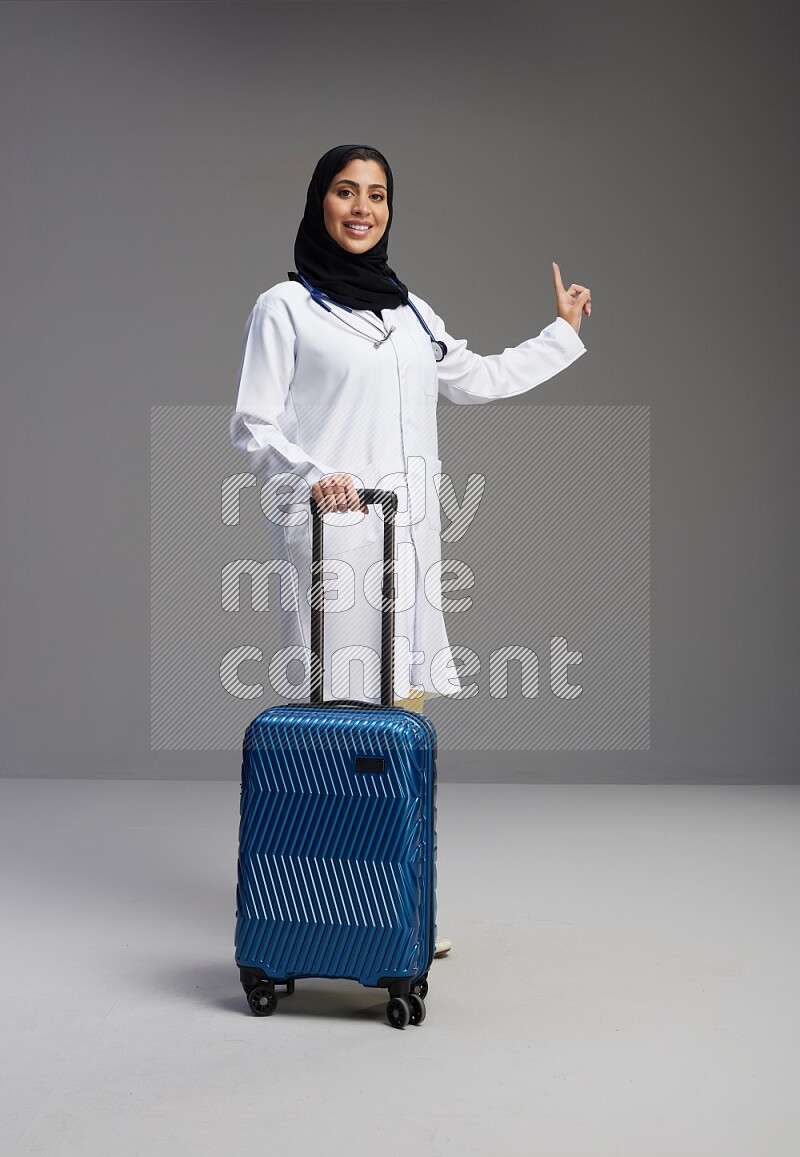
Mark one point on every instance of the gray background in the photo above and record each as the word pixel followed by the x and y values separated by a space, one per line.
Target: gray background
pixel 155 158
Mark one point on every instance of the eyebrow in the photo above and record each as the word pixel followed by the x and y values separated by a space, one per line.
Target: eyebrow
pixel 355 184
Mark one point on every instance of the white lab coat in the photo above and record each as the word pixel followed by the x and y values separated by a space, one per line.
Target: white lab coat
pixel 316 398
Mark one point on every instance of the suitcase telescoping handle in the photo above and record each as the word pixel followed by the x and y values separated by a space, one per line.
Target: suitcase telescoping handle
pixel 388 500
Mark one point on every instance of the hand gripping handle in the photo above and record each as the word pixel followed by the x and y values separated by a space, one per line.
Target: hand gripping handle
pixel 388 500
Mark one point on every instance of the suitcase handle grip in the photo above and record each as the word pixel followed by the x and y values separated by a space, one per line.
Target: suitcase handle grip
pixel 370 497
pixel 385 498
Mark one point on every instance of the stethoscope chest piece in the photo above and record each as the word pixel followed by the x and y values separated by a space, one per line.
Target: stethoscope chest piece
pixel 439 348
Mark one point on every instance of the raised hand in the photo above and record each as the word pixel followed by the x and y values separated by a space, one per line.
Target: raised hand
pixel 571 303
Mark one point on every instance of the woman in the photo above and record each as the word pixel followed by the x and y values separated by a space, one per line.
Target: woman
pixel 340 374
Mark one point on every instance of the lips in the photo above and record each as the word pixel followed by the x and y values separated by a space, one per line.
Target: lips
pixel 357 227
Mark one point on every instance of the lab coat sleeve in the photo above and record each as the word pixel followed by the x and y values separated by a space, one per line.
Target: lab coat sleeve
pixel 468 378
pixel 265 376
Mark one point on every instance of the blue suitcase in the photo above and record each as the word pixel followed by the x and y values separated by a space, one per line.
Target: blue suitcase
pixel 337 835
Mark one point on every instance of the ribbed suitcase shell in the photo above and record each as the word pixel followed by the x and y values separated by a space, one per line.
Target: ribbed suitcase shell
pixel 337 866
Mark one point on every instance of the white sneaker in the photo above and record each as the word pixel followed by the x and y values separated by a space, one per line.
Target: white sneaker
pixel 442 946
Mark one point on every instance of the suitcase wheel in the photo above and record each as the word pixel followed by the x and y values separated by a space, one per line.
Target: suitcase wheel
pixel 262 1000
pixel 417 1008
pixel 403 1010
pixel 421 989
pixel 398 1011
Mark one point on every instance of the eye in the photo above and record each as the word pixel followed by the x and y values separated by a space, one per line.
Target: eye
pixel 377 196
pixel 345 192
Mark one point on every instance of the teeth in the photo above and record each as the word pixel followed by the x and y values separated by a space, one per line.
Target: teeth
pixel 360 228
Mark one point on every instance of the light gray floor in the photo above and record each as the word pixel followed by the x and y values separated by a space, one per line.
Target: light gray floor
pixel 624 981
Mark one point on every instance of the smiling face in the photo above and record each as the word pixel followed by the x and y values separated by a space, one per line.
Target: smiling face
pixel 355 209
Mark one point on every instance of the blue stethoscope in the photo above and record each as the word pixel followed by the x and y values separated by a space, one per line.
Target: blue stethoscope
pixel 439 348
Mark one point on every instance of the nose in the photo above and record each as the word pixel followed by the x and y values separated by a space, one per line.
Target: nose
pixel 361 206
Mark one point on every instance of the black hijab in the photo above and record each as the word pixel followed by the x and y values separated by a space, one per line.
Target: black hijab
pixel 360 280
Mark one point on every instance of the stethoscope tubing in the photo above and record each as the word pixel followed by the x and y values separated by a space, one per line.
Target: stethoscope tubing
pixel 321 298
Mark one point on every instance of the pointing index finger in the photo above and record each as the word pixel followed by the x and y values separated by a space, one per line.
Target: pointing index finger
pixel 557 277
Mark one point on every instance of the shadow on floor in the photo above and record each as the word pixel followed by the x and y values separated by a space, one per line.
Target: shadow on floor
pixel 218 986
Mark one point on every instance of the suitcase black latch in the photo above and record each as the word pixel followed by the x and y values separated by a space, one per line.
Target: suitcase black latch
pixel 369 763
